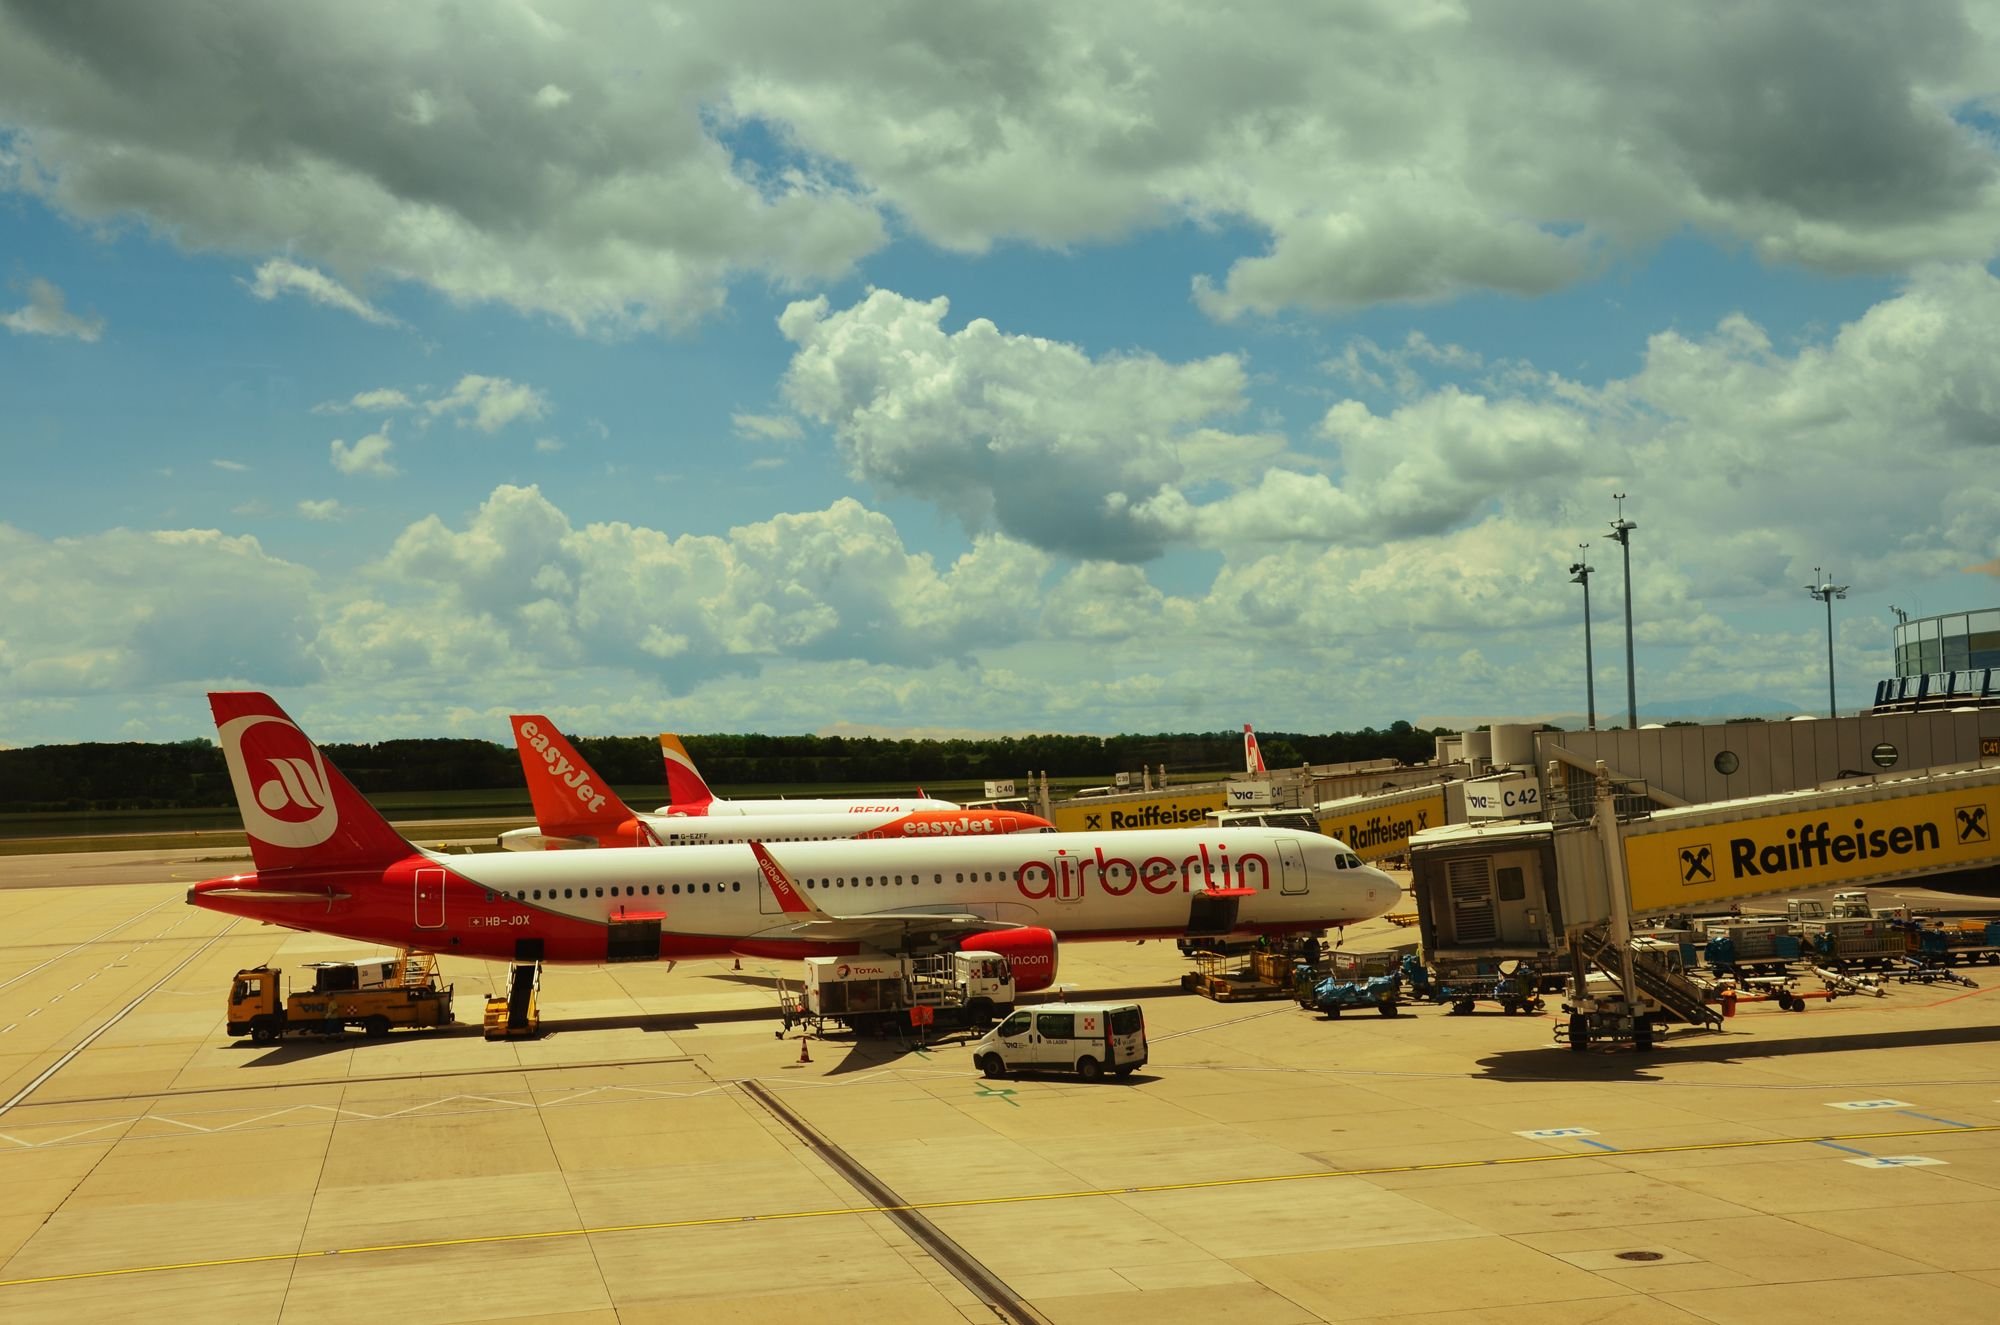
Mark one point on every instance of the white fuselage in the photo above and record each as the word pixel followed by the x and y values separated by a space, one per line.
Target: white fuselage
pixel 677 830
pixel 839 805
pixel 1078 885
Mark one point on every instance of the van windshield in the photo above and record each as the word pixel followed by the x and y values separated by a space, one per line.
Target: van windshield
pixel 1126 1021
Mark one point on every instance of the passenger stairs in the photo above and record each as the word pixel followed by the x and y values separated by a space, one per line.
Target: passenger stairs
pixel 1681 997
pixel 517 1015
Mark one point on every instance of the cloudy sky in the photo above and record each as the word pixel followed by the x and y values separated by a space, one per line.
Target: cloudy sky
pixel 986 367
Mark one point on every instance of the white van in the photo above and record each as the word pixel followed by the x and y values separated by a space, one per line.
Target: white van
pixel 1085 1038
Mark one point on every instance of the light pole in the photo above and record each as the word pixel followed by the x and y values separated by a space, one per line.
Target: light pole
pixel 1826 591
pixel 1580 574
pixel 1621 529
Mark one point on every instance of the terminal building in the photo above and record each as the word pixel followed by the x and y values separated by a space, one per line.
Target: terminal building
pixel 1944 662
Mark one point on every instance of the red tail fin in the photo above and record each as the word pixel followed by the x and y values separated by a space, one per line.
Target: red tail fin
pixel 685 789
pixel 297 808
pixel 1253 758
pixel 570 799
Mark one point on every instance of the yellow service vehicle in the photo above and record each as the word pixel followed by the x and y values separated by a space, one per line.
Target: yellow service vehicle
pixel 378 995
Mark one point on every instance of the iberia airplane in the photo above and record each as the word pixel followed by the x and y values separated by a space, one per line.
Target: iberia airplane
pixel 574 807
pixel 688 793
pixel 327 862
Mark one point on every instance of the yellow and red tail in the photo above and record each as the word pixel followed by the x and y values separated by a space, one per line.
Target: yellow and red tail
pixel 686 791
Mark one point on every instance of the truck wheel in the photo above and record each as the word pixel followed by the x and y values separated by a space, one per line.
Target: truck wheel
pixel 1386 1009
pixel 1642 1035
pixel 1579 1034
pixel 263 1033
pixel 993 1066
pixel 1089 1068
pixel 1461 1008
pixel 1333 1013
pixel 377 1026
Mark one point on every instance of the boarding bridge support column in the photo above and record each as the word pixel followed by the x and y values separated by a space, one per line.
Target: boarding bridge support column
pixel 1613 839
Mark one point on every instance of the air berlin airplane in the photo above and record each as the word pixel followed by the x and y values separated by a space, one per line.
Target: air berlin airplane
pixel 1253 758
pixel 688 793
pixel 328 863
pixel 576 808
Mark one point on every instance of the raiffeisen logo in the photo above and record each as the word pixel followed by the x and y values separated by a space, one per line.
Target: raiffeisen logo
pixel 1817 844
pixel 289 803
pixel 1066 878
pixel 1152 816
pixel 560 768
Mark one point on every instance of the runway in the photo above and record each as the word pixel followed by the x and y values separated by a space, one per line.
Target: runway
pixel 1266 1165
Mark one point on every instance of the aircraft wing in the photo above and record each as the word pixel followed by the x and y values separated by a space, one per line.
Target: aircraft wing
pixel 886 931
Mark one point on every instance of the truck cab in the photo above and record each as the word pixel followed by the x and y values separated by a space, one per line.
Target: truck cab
pixel 253 995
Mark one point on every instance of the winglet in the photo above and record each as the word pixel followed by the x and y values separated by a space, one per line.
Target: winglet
pixel 790 899
pixel 1253 758
pixel 686 791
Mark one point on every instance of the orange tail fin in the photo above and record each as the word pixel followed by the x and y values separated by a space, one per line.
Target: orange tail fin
pixel 570 799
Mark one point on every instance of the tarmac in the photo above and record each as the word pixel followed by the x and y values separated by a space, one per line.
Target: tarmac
pixel 661 1154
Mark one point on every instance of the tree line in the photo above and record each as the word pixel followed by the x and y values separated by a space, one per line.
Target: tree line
pixel 190 774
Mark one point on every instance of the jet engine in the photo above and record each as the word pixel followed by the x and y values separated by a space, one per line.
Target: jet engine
pixel 1030 951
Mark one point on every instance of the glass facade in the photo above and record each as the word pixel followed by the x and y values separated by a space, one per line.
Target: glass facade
pixel 1954 642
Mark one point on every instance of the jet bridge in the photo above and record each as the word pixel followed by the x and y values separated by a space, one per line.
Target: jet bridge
pixel 1489 893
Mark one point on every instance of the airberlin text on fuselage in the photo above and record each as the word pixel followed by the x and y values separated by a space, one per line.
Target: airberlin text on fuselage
pixel 1069 876
pixel 576 779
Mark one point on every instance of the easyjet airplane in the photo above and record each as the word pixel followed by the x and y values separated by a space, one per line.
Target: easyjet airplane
pixel 326 862
pixel 688 793
pixel 574 807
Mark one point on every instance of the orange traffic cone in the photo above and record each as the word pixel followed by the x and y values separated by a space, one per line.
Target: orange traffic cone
pixel 804 1055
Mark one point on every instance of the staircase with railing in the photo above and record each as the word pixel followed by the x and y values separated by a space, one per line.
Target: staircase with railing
pixel 1680 996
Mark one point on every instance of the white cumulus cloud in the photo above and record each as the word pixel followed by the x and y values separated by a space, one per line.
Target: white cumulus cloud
pixel 1028 435
pixel 47 314
pixel 283 276
pixel 367 455
pixel 489 403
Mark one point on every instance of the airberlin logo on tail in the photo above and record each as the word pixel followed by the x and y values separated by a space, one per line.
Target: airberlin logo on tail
pixel 281 784
pixel 560 768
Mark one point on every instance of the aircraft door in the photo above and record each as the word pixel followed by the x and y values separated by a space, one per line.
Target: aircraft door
pixel 429 898
pixel 1291 866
